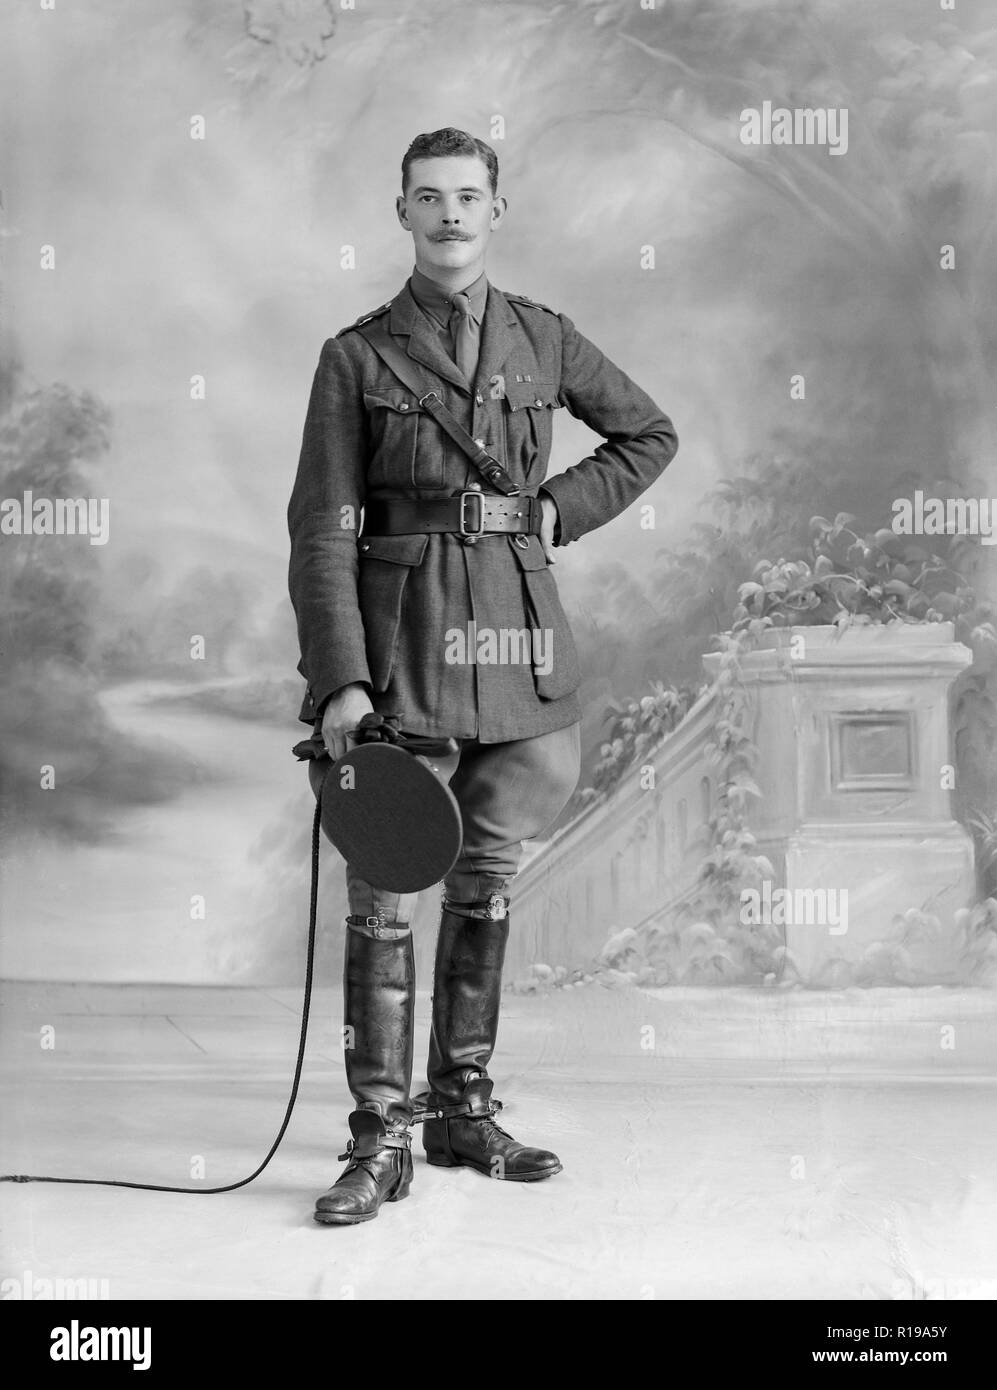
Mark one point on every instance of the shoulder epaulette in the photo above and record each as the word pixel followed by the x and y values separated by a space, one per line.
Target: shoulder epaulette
pixel 533 303
pixel 365 318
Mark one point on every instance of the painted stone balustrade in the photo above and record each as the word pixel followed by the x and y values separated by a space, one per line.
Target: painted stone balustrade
pixel 855 769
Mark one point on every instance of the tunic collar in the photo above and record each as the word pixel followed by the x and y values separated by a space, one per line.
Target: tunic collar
pixel 438 302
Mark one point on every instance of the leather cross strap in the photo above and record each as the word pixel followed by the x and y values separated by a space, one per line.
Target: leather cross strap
pixel 372 1144
pixel 468 514
pixel 430 400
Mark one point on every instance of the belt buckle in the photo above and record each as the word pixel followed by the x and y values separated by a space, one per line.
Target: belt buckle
pixel 479 529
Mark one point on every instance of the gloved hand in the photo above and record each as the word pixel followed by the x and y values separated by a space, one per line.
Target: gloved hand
pixel 343 712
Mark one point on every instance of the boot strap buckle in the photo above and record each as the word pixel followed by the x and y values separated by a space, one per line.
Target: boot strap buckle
pixel 357 919
pixel 392 1139
pixel 494 908
pixel 477 1112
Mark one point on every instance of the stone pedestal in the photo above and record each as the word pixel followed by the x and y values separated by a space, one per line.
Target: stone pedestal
pixel 856 769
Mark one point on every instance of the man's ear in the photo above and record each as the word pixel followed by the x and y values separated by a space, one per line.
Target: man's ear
pixel 499 206
pixel 400 209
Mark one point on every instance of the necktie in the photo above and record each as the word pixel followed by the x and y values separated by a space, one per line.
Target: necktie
pixel 466 336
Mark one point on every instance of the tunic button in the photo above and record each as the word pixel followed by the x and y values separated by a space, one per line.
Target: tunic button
pixel 474 487
pixel 538 401
pixel 480 443
pixel 404 405
pixel 365 546
pixel 479 398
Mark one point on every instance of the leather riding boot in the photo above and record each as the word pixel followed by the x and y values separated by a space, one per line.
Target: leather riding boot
pixel 459 1128
pixel 379 1170
pixel 379 1014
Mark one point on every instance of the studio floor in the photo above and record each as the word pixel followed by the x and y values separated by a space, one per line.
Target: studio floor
pixel 716 1144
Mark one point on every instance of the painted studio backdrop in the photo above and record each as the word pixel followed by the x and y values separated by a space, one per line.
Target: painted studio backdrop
pixel 778 218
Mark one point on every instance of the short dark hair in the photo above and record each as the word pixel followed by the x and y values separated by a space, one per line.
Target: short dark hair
pixel 449 141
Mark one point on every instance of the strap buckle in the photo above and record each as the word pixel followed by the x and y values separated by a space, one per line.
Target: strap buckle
pixel 430 396
pixel 496 907
pixel 359 920
pixel 480 527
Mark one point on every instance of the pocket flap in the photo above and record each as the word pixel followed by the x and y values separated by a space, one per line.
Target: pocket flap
pixel 399 550
pixel 533 395
pixel 392 398
pixel 530 556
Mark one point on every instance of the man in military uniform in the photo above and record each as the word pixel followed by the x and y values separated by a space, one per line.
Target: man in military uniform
pixel 434 414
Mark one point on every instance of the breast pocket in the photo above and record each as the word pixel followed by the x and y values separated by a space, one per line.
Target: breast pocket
pixel 528 423
pixel 386 563
pixel 407 444
pixel 556 672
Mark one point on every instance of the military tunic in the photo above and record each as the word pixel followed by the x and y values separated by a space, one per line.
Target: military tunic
pixel 378 609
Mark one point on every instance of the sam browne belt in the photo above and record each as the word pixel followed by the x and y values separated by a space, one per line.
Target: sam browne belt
pixel 469 513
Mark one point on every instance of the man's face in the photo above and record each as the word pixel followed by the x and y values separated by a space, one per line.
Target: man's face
pixel 449 208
